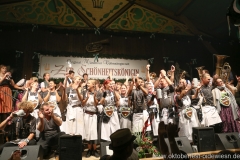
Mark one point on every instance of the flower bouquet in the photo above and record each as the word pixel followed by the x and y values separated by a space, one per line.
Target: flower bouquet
pixel 145 147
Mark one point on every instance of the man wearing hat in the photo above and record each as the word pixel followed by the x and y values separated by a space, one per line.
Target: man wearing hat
pixel 121 144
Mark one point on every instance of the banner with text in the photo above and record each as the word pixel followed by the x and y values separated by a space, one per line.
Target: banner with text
pixel 99 69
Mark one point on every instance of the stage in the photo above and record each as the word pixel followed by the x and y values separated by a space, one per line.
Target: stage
pixel 210 155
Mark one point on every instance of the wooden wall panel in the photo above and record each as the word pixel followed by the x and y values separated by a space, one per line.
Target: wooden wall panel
pixel 157 48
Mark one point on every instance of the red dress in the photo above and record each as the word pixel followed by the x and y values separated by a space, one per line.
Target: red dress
pixel 5 97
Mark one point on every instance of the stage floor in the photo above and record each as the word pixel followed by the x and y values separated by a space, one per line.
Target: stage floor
pixel 193 156
pixel 83 156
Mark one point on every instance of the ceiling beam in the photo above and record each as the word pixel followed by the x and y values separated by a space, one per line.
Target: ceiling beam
pixel 116 15
pixel 55 5
pixel 183 7
pixel 4 2
pixel 167 13
pixel 190 25
pixel 79 13
pixel 179 18
pixel 157 9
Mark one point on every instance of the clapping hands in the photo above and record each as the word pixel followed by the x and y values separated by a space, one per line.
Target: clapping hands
pixel 173 68
pixel 40 115
pixel 238 78
pixel 147 67
pixel 163 73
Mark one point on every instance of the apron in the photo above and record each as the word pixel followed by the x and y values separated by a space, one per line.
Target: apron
pixel 53 100
pixel 108 128
pixel 124 122
pixel 90 121
pixel 188 118
pixel 156 119
pixel 74 117
pixel 34 99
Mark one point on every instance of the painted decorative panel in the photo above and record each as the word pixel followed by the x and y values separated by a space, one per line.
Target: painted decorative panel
pixel 98 11
pixel 141 19
pixel 41 12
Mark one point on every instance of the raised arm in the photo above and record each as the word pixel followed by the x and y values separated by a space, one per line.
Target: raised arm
pixel 25 96
pixel 151 101
pixel 40 99
pixel 196 93
pixel 231 88
pixel 141 87
pixel 163 74
pixel 102 100
pixel 85 98
pixel 126 82
pixel 110 75
pixel 56 119
pixel 40 125
pixel 46 99
pixel 130 88
pixel 156 83
pixel 80 96
pixel 64 94
pixel 65 80
pixel 172 73
pixel 16 86
pixel 238 84
pixel 5 122
pixel 57 96
pixel 95 99
pixel 117 98
pixel 184 92
pixel 147 73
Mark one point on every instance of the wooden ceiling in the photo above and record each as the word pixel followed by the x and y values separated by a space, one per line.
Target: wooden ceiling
pixel 184 17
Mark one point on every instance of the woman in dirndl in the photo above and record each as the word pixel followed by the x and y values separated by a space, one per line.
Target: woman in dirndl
pixel 188 117
pixel 33 96
pixel 53 97
pixel 110 120
pixel 89 103
pixel 6 103
pixel 227 107
pixel 74 124
pixel 26 84
pixel 124 108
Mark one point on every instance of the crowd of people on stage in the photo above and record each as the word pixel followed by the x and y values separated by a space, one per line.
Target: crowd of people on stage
pixel 83 106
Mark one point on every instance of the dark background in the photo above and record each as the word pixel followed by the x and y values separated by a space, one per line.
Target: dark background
pixel 179 49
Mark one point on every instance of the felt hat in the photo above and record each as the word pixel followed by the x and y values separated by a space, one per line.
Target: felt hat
pixel 121 138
